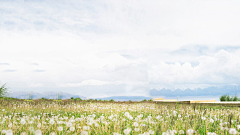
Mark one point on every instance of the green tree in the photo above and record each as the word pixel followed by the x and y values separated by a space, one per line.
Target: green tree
pixel 3 90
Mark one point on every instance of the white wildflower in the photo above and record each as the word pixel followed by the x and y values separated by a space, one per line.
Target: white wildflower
pixel 38 132
pixel 211 120
pixel 23 133
pixel 181 131
pixel 190 131
pixel 151 132
pixel 72 128
pixel 10 125
pixel 3 132
pixel 84 133
pixel 86 127
pixel 60 128
pixel 127 131
pixel 232 131
pixel 52 133
pixel 135 124
pixel 136 129
pixel 9 132
pixel 69 124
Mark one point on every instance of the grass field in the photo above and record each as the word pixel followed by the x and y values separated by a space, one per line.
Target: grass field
pixel 25 117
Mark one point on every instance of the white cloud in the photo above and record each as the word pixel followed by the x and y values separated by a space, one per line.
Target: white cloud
pixel 85 82
pixel 219 69
pixel 135 45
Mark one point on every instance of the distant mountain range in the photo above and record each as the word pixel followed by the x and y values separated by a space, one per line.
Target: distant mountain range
pixel 126 98
pixel 47 95
pixel 54 95
pixel 210 91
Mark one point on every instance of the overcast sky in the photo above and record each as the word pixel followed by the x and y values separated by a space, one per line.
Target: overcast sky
pixel 99 48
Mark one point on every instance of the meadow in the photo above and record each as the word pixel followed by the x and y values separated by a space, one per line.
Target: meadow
pixel 72 117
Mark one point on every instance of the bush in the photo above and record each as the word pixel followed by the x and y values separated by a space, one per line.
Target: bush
pixel 111 100
pixel 223 98
pixel 144 100
pixel 90 99
pixel 78 99
pixel 229 98
pixel 72 97
pixel 3 90
pixel 150 100
pixel 235 98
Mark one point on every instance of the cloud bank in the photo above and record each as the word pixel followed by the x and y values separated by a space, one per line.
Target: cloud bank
pixel 118 47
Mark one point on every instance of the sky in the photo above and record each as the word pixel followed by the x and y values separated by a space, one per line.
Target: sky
pixel 100 48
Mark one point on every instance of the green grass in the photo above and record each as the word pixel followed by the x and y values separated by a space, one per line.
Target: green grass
pixel 119 118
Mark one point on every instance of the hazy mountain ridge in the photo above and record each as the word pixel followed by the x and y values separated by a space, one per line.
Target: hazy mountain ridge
pixel 47 95
pixel 210 91
pixel 126 98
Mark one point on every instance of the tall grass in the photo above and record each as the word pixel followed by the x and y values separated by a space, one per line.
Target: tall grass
pixel 112 118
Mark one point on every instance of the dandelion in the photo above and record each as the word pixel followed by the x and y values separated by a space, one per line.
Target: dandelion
pixel 72 128
pixel 39 125
pixel 23 133
pixel 116 133
pixel 181 131
pixel 211 133
pixel 126 114
pixel 203 118
pixel 60 128
pixel 3 131
pixel 136 129
pixel 232 131
pixel 86 127
pixel 9 132
pixel 10 125
pixel 190 131
pixel 211 120
pixel 38 132
pixel 238 127
pixel 84 133
pixel 96 124
pixel 135 124
pixel 165 133
pixel 69 124
pixel 127 131
pixel 146 133
pixel 52 133
pixel 51 122
pixel 151 132
pixel 23 121
pixel 31 129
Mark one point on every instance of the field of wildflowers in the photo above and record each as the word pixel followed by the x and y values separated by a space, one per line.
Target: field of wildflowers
pixel 28 117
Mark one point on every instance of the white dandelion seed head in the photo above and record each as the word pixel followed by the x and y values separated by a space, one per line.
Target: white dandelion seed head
pixel 86 127
pixel 127 131
pixel 60 128
pixel 72 128
pixel 52 133
pixel 190 131
pixel 232 131
pixel 38 132
pixel 84 133
pixel 69 124
pixel 23 133
pixel 181 131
